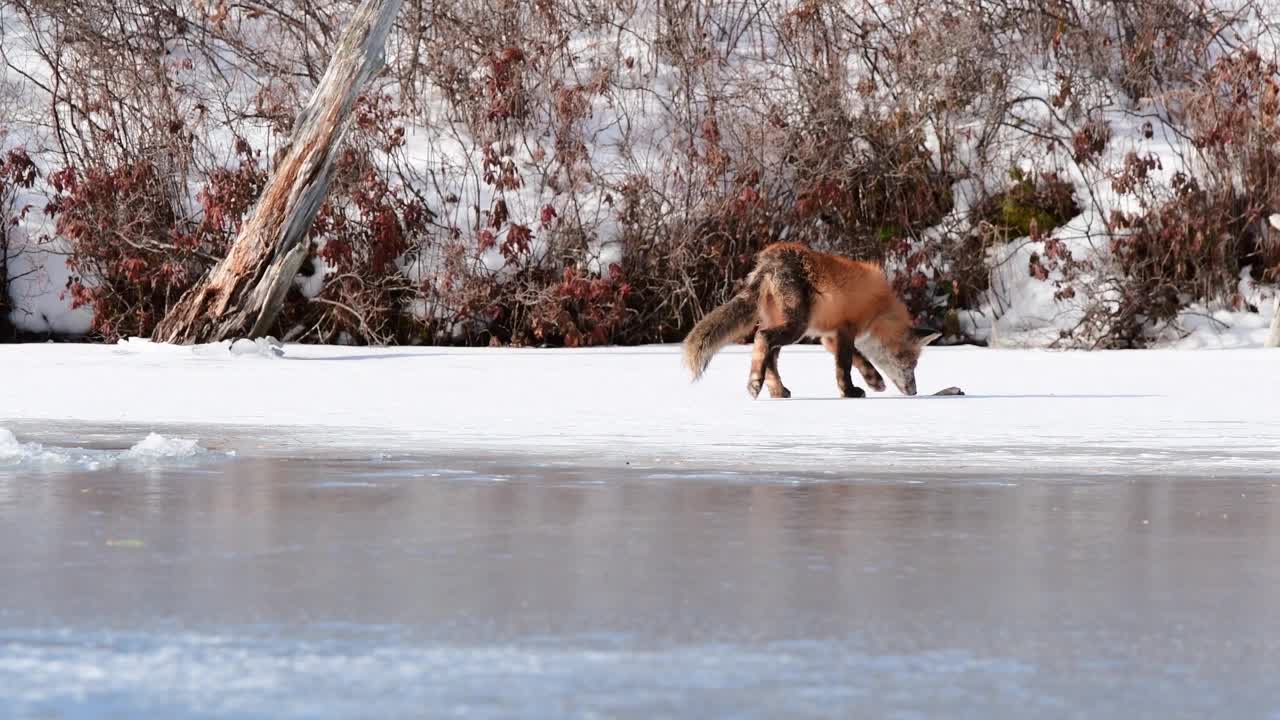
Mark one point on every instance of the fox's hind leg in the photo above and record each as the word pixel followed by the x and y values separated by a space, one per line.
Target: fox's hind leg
pixel 784 316
pixel 842 347
pixel 764 357
pixel 771 377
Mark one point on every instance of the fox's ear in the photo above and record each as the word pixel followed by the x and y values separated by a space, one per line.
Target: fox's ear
pixel 924 335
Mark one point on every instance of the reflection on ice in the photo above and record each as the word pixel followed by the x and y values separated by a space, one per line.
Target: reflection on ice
pixel 170 581
pixel 370 674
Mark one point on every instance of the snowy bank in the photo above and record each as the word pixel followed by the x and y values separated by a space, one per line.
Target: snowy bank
pixel 1160 411
pixel 520 166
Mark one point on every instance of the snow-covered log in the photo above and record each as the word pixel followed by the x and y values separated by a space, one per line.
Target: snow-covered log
pixel 242 294
pixel 1273 337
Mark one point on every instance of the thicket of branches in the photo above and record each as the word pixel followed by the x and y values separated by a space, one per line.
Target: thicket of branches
pixel 602 171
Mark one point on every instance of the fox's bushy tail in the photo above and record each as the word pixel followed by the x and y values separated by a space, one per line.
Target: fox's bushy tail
pixel 719 328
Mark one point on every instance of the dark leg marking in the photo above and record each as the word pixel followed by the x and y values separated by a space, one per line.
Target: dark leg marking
pixel 868 371
pixel 845 352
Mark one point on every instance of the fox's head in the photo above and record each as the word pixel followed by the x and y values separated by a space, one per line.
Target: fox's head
pixel 896 352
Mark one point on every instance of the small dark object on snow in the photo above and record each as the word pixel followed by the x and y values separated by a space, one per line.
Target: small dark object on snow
pixel 950 391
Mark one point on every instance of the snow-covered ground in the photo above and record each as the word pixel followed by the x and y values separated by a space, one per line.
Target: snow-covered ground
pixel 1158 411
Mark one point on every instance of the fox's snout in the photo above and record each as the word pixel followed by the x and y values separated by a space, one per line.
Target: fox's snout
pixel 908 385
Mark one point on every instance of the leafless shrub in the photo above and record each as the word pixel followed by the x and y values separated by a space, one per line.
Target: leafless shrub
pixel 598 171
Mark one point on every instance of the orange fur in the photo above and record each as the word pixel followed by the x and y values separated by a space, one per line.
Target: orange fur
pixel 851 296
pixel 795 292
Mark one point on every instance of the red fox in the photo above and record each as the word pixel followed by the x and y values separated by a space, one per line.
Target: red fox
pixel 794 292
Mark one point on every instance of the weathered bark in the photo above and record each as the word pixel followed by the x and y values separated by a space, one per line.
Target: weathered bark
pixel 242 295
pixel 1273 339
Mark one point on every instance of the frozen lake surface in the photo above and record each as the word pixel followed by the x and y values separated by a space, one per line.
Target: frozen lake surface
pixel 172 581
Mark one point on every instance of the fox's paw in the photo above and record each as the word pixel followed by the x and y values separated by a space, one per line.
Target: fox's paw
pixel 875 383
pixel 753 387
pixel 779 392
pixel 855 392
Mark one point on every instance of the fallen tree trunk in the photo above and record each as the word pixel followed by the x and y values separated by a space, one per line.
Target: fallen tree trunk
pixel 1273 338
pixel 242 295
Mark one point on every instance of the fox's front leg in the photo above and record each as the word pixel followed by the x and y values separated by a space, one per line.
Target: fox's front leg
pixel 842 346
pixel 856 359
pixel 867 370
